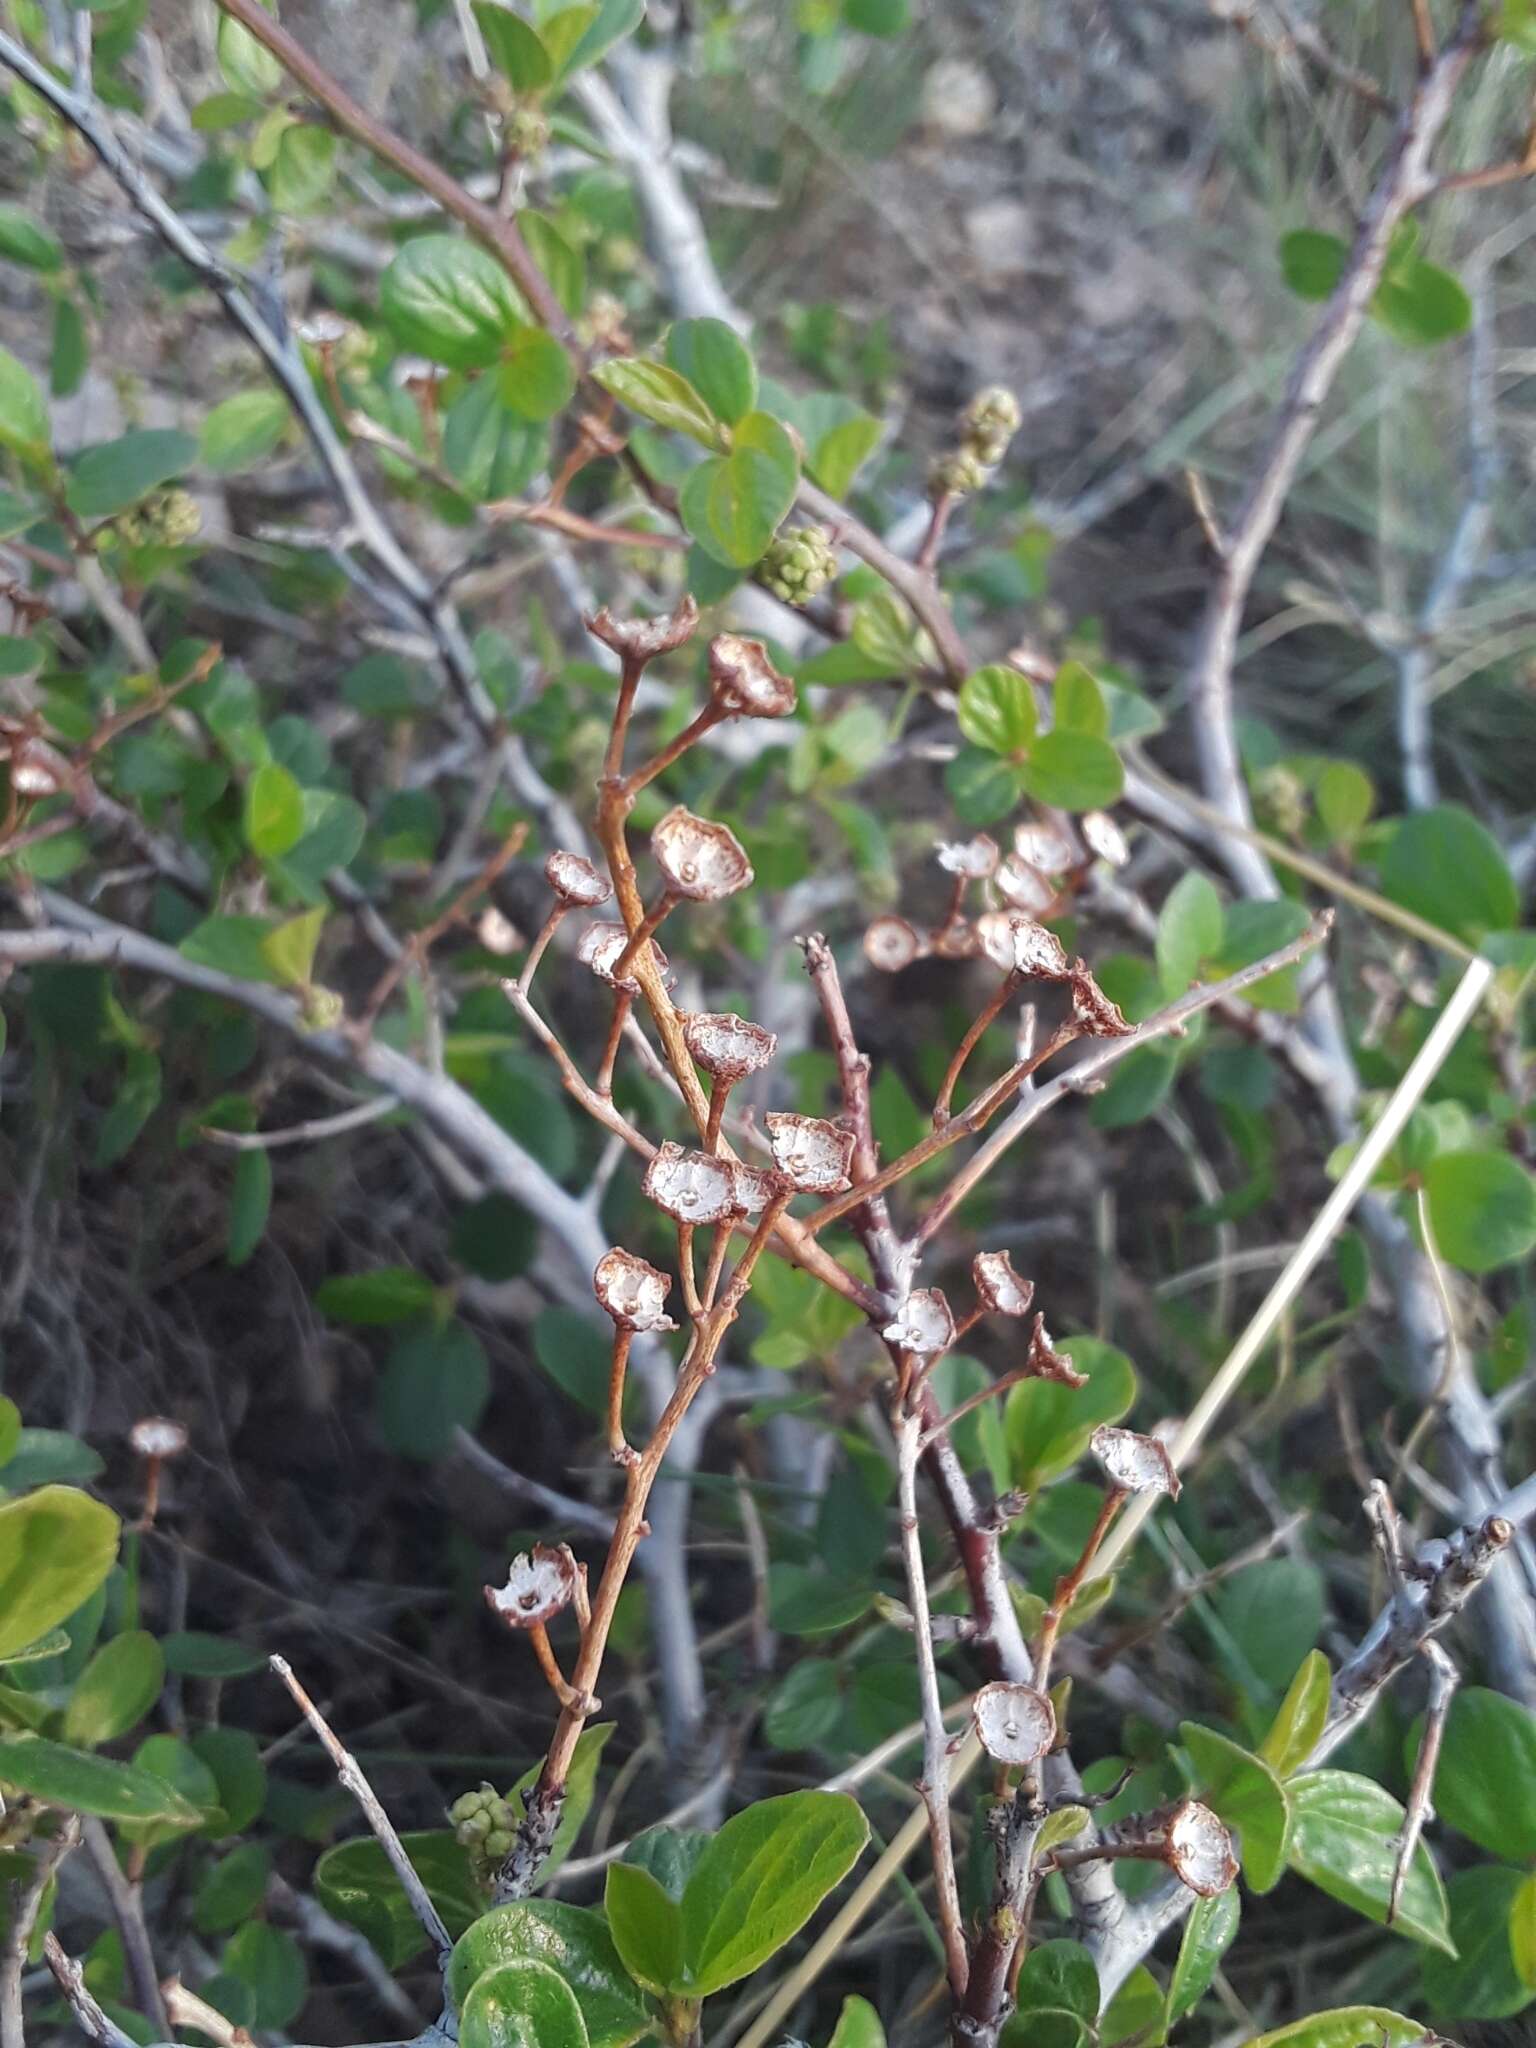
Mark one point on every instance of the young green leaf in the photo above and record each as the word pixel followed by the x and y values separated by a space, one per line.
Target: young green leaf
pixel 242 429
pixel 659 394
pixel 1485 1783
pixel 1481 1980
pixel 1449 868
pixel 1245 1792
pixel 522 2005
pixel 858 2026
pixel 1421 304
pixel 354 1881
pixel 717 363
pixel 23 241
pixel 1073 771
pixel 1189 932
pixel 23 410
pixel 79 1782
pixel 1312 263
pixel 250 1203
pixel 290 950
pixel 732 504
pixel 534 377
pixel 1059 1976
pixel 1294 1731
pixel 573 1940
pixel 1482 1208
pixel 1077 702
pixel 513 47
pixel 996 710
pixel 116 1689
pixel 1208 1934
pixel 388 1294
pixel 1345 2026
pixel 761 1878
pixel 1344 1838
pixel 56 1547
pixel 646 1925
pixel 117 474
pixel 1522 1932
pixel 451 301
pixel 436 1380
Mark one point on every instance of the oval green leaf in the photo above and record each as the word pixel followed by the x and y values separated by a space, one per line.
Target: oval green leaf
pixel 451 301
pixel 647 1926
pixel 56 1547
pixel 1482 1208
pixel 79 1782
pixel 574 1941
pixel 522 2005
pixel 1344 1836
pixel 116 1689
pixel 1249 1798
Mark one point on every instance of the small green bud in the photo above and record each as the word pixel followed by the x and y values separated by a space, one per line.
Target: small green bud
pixel 799 565
pixel 321 1009
pixel 527 129
pixel 992 414
pixel 956 474
pixel 498 1844
pixel 473 1829
pixel 465 1807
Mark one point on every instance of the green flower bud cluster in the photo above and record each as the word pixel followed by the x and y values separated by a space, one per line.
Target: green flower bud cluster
pixel 484 1823
pixel 800 564
pixel 527 129
pixel 167 518
pixel 987 425
pixel 1285 796
pixel 322 1009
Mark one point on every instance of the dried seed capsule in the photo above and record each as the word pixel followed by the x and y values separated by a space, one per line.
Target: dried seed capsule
pixel 1025 888
pixel 891 944
pixel 974 858
pixel 1137 1463
pixel 745 681
pixel 1199 1850
pixel 700 859
pixel 811 1152
pixel 693 1187
pixel 539 1584
pixel 602 946
pixel 1014 1723
pixel 925 1324
pixel 645 639
pixel 726 1046
pixel 1018 945
pixel 1098 1016
pixel 1105 839
pixel 999 1286
pixel 576 881
pixel 633 1291
pixel 1046 846
pixel 1045 1362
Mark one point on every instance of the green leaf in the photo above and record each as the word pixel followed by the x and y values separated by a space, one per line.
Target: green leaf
pixel 233 1761
pixel 1059 1976
pixel 841 452
pixel 572 1940
pixel 514 48
pixel 646 1925
pixel 1517 24
pixel 732 504
pixel 1421 304
pixel 1189 932
pixel 982 787
pixel 10 1430
pixel 1446 867
pixel 659 394
pixel 878 17
pixel 290 950
pixel 23 241
pixel 563 264
pixel 1249 1798
pixel 248 65
pixel 250 1203
pixel 1077 702
pixel 522 2005
pixel 760 1880
pixel 803 1600
pixel 1252 930
pixel 599 28
pixel 23 409
pixel 69 349
pixel 1480 1982
pixel 1208 1934
pixel 117 474
pixel 575 1354
pixel 996 710
pixel 304 168
pixel 274 811
pixel 354 1881
pixel 1074 772
pixel 1482 1208
pixel 16 513
pixel 1345 797
pixel 490 449
pixel 1273 1612
pixel 534 376
pixel 1522 1932
pixel 1296 1727
pixel 388 1294
pixel 1312 263
pixel 1345 2026
pixel 116 1689
pixel 56 1547
pixel 79 1782
pixel 496 1237
pixel 580 1791
pixel 232 945
pixel 231 1890
pixel 241 430
pixel 273 1965
pixel 1485 1782
pixel 858 2026
pixel 196 1655
pixel 717 363
pixel 1048 1425
pixel 806 1705
pixel 436 1380
pixel 451 301
pixel 1344 1836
